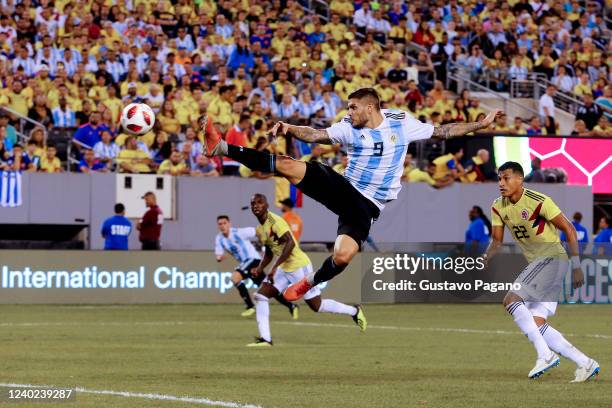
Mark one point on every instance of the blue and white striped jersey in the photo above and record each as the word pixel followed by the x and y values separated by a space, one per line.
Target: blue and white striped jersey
pixel 376 156
pixel 238 244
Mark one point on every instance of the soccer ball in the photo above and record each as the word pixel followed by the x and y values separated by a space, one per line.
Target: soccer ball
pixel 137 118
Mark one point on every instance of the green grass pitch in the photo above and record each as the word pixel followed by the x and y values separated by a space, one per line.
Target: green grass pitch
pixel 410 356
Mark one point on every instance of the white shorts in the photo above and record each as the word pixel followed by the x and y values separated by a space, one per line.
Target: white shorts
pixel 541 284
pixel 283 279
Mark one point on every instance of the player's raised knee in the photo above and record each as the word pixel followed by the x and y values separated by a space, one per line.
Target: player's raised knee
pixel 343 256
pixel 285 164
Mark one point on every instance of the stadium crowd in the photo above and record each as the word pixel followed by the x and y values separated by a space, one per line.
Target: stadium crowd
pixel 73 65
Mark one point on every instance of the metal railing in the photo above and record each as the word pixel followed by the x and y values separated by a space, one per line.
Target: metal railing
pixel 21 134
pixel 464 82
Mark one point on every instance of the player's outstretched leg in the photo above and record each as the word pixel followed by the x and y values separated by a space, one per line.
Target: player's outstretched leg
pixel 244 294
pixel 319 305
pixel 586 369
pixel 523 318
pixel 293 170
pixel 262 308
pixel 345 249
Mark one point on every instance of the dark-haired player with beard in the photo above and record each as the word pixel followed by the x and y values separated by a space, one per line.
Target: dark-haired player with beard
pixel 533 219
pixel 376 141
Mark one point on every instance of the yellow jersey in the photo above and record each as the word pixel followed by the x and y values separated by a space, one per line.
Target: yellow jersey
pixel 444 164
pixel 530 223
pixel 420 176
pixel 269 233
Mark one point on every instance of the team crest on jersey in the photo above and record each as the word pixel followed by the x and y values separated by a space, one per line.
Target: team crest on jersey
pixel 393 139
pixel 525 214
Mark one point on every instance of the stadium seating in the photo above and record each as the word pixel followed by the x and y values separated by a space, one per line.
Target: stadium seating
pixel 60 62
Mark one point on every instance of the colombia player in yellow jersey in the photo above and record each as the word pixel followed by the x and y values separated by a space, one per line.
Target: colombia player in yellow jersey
pixel 291 265
pixel 533 220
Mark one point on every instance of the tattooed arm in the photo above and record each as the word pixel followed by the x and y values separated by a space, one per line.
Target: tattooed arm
pixel 459 129
pixel 304 133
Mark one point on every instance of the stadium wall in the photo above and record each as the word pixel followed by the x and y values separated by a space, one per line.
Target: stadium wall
pixel 420 214
pixel 94 277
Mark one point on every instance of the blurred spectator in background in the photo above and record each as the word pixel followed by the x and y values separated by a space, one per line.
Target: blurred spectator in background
pixel 417 175
pixel 63 116
pixel 106 150
pixel 449 165
pixel 602 243
pixel 89 163
pixel 90 133
pixel 116 230
pixel 292 218
pixel 150 225
pixel 204 167
pixel 536 175
pixel 603 127
pixel 581 232
pixel 535 127
pixel 478 233
pixel 589 113
pixel 474 167
pixel 174 166
pixel 49 162
pixel 546 108
pixel 133 160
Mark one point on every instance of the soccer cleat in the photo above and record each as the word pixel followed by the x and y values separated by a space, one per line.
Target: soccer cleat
pixel 543 365
pixel 360 319
pixel 587 372
pixel 212 139
pixel 248 312
pixel 294 310
pixel 297 290
pixel 260 342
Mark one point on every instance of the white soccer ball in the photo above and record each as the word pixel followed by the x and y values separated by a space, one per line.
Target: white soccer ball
pixel 137 118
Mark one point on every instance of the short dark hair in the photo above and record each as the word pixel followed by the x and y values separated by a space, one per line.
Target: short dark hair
pixel 514 166
pixel 119 208
pixel 577 216
pixel 362 93
pixel 223 217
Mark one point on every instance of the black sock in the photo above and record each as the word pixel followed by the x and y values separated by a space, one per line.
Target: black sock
pixel 327 271
pixel 253 159
pixel 244 294
pixel 281 299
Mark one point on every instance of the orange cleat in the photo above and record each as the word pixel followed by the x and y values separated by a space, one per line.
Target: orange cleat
pixel 297 290
pixel 211 137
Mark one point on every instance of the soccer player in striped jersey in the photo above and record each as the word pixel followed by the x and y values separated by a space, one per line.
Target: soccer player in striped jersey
pixel 291 265
pixel 533 219
pixel 237 242
pixel 376 141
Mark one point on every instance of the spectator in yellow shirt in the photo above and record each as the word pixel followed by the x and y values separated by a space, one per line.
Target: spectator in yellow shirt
pixel 49 162
pixel 420 176
pixel 221 108
pixel 518 128
pixel 175 165
pixel 167 119
pixel 133 160
pixel 17 101
pixel 584 86
pixel 449 165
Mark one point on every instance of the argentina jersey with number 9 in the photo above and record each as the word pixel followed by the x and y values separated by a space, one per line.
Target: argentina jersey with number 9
pixel 376 156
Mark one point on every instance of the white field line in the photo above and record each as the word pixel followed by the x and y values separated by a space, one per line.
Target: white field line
pixel 434 329
pixel 127 394
pixel 308 324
